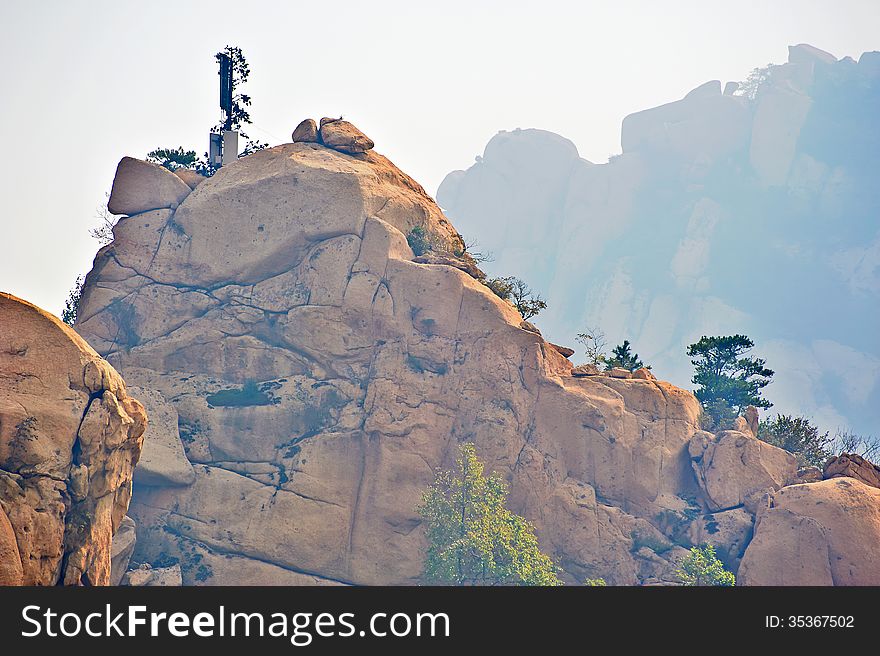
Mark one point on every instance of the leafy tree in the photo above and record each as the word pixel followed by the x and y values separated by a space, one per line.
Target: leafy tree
pixel 701 567
pixel 594 343
pixel 71 305
pixel 422 241
pixel 595 583
pixel 473 539
pixel 726 380
pixel 517 293
pixel 623 357
pixel 799 437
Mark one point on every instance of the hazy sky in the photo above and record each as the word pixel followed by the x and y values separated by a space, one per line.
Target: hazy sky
pixel 88 82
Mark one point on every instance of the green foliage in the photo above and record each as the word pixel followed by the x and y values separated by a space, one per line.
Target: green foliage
pixel 595 583
pixel 701 567
pixel 173 158
pixel 517 293
pixel 726 380
pixel 71 305
pixel 422 241
pixel 249 394
pixel 623 357
pixel 799 437
pixel 473 539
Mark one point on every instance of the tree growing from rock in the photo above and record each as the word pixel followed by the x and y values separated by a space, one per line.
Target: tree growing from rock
pixel 727 379
pixel 71 305
pixel 623 357
pixel 799 437
pixel 473 538
pixel 517 293
pixel 594 343
pixel 701 567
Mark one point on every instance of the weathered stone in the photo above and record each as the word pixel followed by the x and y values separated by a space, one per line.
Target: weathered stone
pixel 326 377
pixel 643 374
pixel 586 370
pixel 564 351
pixel 153 576
pixel 463 264
pixel 821 533
pixel 729 531
pixel 10 560
pixel 163 460
pixel 190 177
pixel 343 136
pixel 854 466
pixel 733 466
pixel 70 437
pixel 121 550
pixel 143 186
pixel 619 372
pixel 305 132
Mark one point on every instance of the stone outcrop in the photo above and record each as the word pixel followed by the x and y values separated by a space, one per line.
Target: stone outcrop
pixel 823 533
pixel 154 576
pixel 70 437
pixel 142 186
pixel 854 466
pixel 317 374
pixel 344 137
pixel 306 132
pixel 732 468
pixel 190 177
pixel 321 376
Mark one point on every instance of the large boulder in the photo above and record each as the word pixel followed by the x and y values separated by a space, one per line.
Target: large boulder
pixel 143 186
pixel 732 468
pixel 823 533
pixel 853 466
pixel 11 572
pixel 321 377
pixel 343 136
pixel 306 132
pixel 70 437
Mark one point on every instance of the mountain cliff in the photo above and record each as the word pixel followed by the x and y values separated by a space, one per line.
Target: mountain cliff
pixel 751 210
pixel 313 374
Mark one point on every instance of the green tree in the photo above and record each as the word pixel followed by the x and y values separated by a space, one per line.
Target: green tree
pixel 517 293
pixel 799 437
pixel 595 583
pixel 623 357
pixel 473 539
pixel 173 158
pixel 702 567
pixel 728 381
pixel 71 305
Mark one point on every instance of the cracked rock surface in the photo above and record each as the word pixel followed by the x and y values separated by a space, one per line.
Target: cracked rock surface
pixel 70 437
pixel 321 374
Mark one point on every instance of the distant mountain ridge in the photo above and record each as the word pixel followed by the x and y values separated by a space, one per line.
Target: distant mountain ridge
pixel 753 210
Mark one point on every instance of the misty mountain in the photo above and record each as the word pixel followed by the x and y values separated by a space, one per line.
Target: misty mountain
pixel 750 209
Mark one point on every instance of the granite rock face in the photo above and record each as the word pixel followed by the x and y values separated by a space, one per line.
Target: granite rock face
pixel 321 376
pixel 70 437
